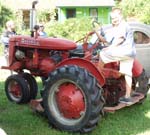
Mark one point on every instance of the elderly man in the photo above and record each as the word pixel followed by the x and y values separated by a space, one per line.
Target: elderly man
pixel 122 49
pixel 9 32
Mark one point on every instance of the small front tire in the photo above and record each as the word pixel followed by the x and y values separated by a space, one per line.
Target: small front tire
pixel 17 89
pixel 33 88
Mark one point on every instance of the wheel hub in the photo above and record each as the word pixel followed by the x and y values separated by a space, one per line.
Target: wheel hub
pixel 15 89
pixel 70 100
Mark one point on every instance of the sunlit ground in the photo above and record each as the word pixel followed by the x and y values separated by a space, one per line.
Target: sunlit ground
pixel 144 133
pixel 3 73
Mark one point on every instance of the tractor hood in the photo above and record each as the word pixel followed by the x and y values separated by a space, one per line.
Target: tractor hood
pixel 44 43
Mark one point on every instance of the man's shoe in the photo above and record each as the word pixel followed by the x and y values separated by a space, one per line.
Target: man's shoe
pixel 135 94
pixel 127 101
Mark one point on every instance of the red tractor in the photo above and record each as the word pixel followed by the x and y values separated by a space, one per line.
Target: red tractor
pixel 76 91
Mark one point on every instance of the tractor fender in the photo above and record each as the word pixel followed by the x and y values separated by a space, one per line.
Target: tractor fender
pixel 85 65
pixel 137 68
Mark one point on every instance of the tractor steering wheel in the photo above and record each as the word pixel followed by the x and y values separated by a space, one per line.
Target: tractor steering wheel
pixel 96 26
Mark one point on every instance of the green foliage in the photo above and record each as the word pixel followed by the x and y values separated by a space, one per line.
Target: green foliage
pixel 145 14
pixel 72 29
pixel 45 15
pixel 136 8
pixel 1 49
pixel 5 15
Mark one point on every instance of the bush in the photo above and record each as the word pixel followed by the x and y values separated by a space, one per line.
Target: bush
pixel 5 15
pixel 1 49
pixel 136 8
pixel 72 29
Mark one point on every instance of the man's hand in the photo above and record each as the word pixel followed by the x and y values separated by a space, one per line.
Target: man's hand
pixel 101 38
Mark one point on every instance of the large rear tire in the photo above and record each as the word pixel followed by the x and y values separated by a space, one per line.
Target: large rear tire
pixel 141 84
pixel 17 89
pixel 73 99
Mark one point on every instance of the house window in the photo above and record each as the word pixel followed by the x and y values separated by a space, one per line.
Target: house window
pixel 70 13
pixel 26 18
pixel 94 13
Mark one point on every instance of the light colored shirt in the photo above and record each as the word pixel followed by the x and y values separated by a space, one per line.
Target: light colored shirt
pixel 6 35
pixel 127 48
pixel 43 34
pixel 112 34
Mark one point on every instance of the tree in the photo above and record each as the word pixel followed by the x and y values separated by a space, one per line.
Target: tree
pixel 5 15
pixel 136 8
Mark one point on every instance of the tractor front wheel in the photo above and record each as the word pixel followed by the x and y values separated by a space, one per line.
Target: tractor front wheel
pixel 17 89
pixel 73 99
pixel 33 87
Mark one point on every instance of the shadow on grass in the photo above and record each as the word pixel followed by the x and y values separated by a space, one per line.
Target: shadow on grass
pixel 133 120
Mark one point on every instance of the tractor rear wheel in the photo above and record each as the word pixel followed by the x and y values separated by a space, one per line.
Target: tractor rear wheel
pixel 17 89
pixel 33 88
pixel 73 99
pixel 141 84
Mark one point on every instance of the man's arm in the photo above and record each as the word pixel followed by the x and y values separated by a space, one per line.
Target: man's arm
pixel 101 38
pixel 118 41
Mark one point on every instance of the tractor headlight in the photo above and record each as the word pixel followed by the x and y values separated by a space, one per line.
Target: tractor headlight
pixel 19 55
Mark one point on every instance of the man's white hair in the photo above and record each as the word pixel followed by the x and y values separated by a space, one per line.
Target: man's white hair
pixel 9 23
pixel 116 11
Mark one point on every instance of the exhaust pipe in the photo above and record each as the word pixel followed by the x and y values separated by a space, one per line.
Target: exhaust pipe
pixel 33 17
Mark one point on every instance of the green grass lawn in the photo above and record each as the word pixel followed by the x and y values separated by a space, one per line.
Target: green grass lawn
pixel 21 120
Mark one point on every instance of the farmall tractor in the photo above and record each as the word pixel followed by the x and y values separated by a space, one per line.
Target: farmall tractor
pixel 76 92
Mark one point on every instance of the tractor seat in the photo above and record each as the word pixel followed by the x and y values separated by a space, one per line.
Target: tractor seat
pixel 78 52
